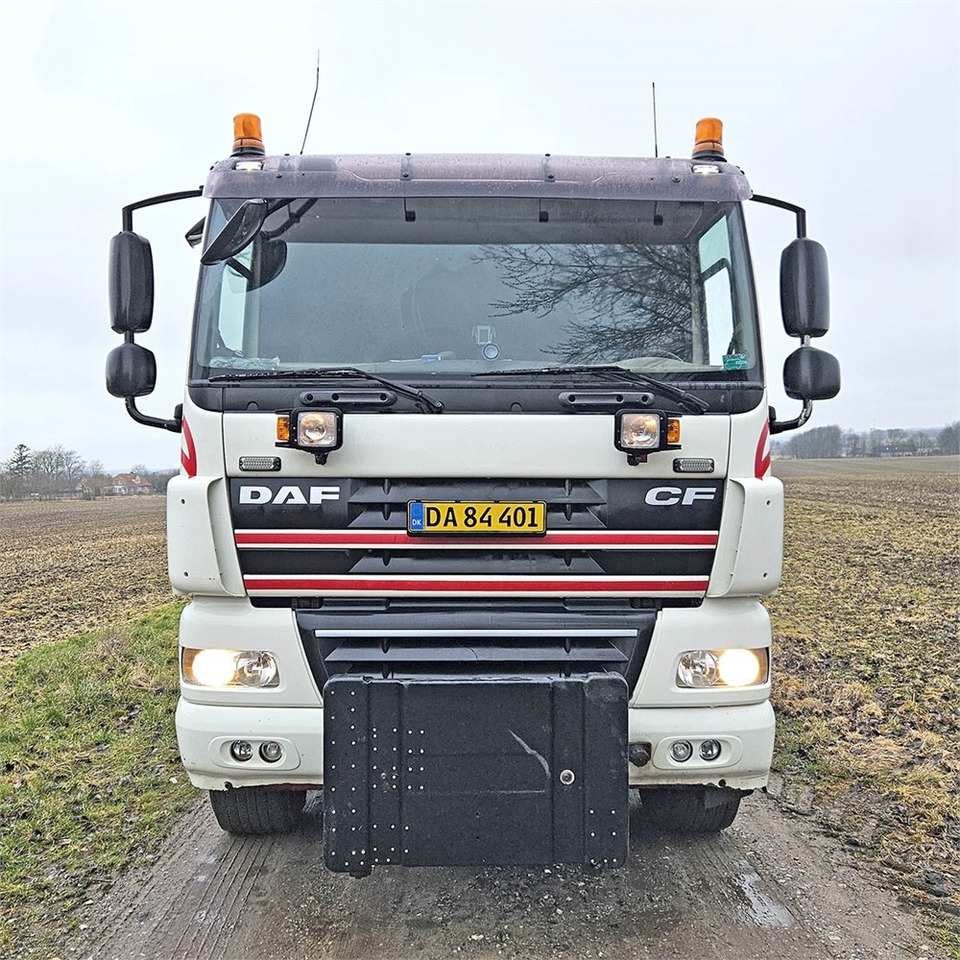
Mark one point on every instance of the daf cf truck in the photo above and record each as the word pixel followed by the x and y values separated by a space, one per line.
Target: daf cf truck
pixel 475 513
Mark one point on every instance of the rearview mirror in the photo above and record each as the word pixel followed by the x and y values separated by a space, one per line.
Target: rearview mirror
pixel 131 371
pixel 238 232
pixel 270 259
pixel 811 374
pixel 130 283
pixel 805 289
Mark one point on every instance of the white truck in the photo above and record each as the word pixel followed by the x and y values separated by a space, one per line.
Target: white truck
pixel 475 511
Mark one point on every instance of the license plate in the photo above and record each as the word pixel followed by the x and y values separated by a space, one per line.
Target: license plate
pixel 473 516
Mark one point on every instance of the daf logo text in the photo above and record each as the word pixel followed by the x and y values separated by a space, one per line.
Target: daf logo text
pixel 291 493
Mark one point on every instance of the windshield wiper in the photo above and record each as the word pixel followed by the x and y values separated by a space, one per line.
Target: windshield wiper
pixel 609 372
pixel 423 400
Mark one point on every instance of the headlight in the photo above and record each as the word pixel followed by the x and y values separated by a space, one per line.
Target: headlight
pixel 723 668
pixel 697 668
pixel 314 431
pixel 639 431
pixel 318 430
pixel 214 667
pixel 740 668
pixel 638 434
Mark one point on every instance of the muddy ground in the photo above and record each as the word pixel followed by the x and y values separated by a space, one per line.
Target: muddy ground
pixel 68 566
pixel 771 886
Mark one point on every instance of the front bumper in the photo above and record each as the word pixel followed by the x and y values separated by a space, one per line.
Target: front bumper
pixel 205 732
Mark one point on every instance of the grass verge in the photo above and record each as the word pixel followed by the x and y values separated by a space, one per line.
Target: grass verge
pixel 90 777
pixel 867 690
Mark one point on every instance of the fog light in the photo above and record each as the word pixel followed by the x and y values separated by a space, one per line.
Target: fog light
pixel 710 749
pixel 681 750
pixel 241 750
pixel 271 751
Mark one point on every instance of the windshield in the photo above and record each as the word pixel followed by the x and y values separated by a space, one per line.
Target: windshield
pixel 430 287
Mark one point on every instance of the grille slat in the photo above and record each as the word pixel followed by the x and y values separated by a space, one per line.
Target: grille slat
pixel 413 638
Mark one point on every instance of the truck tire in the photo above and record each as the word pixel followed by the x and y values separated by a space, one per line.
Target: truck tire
pixel 690 809
pixel 253 811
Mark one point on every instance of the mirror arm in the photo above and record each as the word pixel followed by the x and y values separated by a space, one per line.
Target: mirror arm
pixel 153 201
pixel 783 205
pixel 781 426
pixel 174 426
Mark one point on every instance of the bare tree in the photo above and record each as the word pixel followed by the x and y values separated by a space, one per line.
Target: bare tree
pixel 56 472
pixel 949 438
pixel 630 299
pixel 819 443
pixel 95 479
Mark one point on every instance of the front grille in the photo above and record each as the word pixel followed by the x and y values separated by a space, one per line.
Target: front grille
pixel 348 537
pixel 404 639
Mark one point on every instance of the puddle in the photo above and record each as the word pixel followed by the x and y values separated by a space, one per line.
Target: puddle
pixel 764 912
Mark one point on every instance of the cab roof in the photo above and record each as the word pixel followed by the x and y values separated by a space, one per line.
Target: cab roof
pixel 477 175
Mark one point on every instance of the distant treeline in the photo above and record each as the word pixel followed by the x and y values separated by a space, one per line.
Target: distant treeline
pixel 825 443
pixel 59 473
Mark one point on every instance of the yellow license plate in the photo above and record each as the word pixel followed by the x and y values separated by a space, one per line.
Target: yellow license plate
pixel 469 516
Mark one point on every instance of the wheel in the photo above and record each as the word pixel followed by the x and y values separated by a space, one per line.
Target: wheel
pixel 250 811
pixel 690 809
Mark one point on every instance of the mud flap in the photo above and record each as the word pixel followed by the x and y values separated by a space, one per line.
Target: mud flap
pixel 475 771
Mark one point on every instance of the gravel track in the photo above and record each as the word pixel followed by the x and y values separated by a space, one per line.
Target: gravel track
pixel 771 886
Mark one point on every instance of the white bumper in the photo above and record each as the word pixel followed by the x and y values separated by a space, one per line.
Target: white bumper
pixel 209 721
pixel 745 734
pixel 205 733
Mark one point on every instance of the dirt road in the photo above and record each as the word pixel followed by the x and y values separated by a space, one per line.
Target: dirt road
pixel 768 887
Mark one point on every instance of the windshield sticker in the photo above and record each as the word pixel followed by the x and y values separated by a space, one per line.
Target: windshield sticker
pixel 736 361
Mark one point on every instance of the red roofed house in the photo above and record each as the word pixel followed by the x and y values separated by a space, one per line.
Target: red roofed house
pixel 127 484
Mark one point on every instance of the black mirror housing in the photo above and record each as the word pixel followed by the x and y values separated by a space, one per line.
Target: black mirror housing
pixel 805 289
pixel 237 234
pixel 130 283
pixel 131 371
pixel 811 374
pixel 270 257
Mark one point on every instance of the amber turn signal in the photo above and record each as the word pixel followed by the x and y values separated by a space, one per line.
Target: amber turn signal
pixel 283 429
pixel 673 431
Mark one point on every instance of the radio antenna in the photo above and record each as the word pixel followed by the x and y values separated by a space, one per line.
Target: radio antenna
pixel 656 152
pixel 312 104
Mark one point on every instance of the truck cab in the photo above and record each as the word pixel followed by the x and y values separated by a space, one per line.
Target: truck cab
pixel 475 512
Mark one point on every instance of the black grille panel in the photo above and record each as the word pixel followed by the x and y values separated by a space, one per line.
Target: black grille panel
pixel 348 537
pixel 418 638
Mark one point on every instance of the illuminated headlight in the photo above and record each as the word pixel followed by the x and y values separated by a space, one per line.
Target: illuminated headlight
pixel 214 667
pixel 723 668
pixel 318 430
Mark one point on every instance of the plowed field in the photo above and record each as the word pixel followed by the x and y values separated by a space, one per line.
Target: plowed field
pixel 69 566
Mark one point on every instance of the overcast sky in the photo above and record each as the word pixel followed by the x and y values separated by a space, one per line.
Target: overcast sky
pixel 849 109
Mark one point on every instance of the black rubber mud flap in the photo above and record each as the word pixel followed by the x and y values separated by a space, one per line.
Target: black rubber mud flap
pixel 475 771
